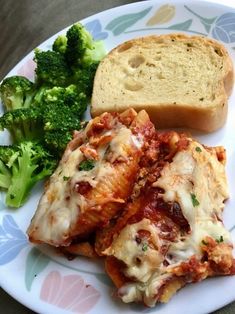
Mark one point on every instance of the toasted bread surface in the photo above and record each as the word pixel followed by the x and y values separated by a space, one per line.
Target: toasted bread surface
pixel 180 80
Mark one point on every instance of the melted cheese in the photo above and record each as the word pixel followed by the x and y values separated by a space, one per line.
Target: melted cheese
pixel 140 261
pixel 193 174
pixel 61 205
pixel 136 292
pixel 122 142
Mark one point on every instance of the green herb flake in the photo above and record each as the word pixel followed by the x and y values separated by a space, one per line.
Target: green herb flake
pixel 145 247
pixel 66 178
pixel 204 242
pixel 86 165
pixel 194 200
pixel 12 196
pixel 198 149
pixel 221 239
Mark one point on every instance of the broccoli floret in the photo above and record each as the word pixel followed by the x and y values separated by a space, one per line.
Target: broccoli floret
pixel 63 110
pixel 78 40
pixel 81 49
pixel 84 78
pixel 16 92
pixel 42 117
pixel 60 112
pixel 5 176
pixel 8 155
pixel 60 44
pixel 37 100
pixel 86 165
pixel 21 167
pixel 56 141
pixel 23 124
pixel 95 54
pixel 51 68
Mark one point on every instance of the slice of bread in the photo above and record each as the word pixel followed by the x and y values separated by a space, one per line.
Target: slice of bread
pixel 181 81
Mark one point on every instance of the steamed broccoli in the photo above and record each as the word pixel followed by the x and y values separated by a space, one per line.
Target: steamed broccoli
pixel 63 110
pixel 52 69
pixel 60 111
pixel 21 167
pixel 84 78
pixel 60 44
pixel 42 116
pixel 23 124
pixel 56 141
pixel 81 49
pixel 16 92
pixel 8 154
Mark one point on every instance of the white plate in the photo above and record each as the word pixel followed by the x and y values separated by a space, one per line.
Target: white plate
pixel 48 283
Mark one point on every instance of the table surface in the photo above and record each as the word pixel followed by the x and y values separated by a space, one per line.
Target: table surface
pixel 24 25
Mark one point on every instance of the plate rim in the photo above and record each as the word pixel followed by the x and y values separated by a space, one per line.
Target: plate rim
pixel 230 4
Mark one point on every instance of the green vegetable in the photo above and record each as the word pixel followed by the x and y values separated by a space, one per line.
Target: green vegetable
pixel 194 200
pixel 86 165
pixel 81 49
pixel 5 176
pixel 84 78
pixel 221 239
pixel 62 112
pixel 42 116
pixel 21 166
pixel 54 120
pixel 60 44
pixel 145 247
pixel 16 92
pixel 23 124
pixel 198 149
pixel 63 108
pixel 51 68
pixel 66 178
pixel 56 141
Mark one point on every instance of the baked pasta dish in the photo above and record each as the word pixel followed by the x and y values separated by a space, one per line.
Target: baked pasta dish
pixel 149 203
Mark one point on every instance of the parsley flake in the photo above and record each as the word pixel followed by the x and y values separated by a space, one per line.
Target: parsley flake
pixel 221 239
pixel 86 165
pixel 204 242
pixel 145 247
pixel 198 149
pixel 66 178
pixel 194 200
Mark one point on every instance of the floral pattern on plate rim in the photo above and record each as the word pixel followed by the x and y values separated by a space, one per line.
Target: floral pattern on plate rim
pixel 69 292
pixel 13 240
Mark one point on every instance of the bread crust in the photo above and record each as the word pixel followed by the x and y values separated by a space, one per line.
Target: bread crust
pixel 167 115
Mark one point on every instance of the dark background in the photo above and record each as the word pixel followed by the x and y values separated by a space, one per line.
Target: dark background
pixel 24 24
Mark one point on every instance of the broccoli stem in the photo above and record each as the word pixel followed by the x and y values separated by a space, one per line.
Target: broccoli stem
pixel 22 181
pixel 5 176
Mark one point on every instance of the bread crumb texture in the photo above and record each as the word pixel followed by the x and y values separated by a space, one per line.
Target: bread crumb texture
pixel 169 75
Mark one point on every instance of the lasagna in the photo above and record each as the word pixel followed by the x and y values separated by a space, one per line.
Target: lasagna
pixel 151 202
